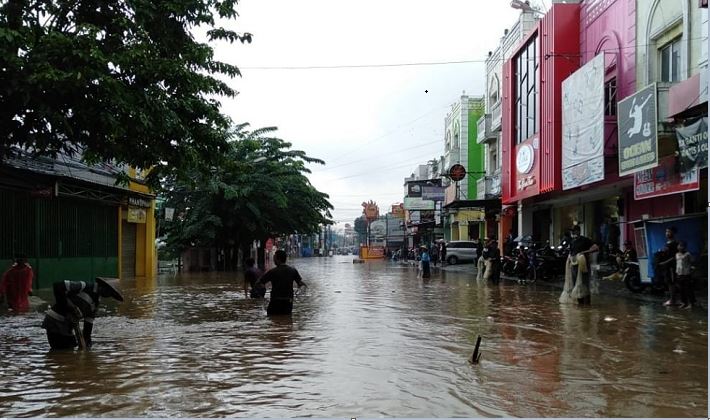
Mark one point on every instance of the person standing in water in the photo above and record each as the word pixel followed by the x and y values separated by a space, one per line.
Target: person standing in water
pixel 281 278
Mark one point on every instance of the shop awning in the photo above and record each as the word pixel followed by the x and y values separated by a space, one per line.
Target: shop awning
pixel 668 219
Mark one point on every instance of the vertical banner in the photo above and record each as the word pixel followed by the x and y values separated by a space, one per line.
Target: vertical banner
pixel 583 125
pixel 638 131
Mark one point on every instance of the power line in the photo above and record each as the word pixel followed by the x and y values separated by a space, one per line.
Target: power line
pixel 408 148
pixel 407 124
pixel 425 63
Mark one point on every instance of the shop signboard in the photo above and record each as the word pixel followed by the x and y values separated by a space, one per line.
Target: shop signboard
pixel 136 215
pixel 693 144
pixel 583 125
pixel 418 203
pixel 664 180
pixel 433 193
pixel 398 210
pixel 378 228
pixel 638 131
pixel 395 229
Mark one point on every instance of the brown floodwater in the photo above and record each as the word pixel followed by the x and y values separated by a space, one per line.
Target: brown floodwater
pixel 365 340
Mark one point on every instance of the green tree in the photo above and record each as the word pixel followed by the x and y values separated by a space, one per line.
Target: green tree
pixel 258 189
pixel 115 80
pixel 361 229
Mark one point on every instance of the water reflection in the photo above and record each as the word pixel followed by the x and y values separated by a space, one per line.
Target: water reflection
pixel 365 339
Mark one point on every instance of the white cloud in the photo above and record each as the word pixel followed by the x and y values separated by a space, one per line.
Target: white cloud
pixel 358 116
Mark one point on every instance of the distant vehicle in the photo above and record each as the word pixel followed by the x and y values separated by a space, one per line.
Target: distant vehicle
pixel 460 251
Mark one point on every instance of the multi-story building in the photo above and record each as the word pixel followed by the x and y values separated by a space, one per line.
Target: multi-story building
pixel 423 198
pixel 489 125
pixel 603 106
pixel 463 213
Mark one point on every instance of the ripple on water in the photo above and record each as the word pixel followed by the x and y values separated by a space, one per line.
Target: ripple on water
pixel 193 345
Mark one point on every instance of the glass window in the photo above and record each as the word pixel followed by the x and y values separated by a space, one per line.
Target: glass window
pixel 610 98
pixel 670 58
pixel 526 112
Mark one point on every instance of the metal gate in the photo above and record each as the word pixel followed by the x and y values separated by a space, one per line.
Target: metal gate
pixel 128 250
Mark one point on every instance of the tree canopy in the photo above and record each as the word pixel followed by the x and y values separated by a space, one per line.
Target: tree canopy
pixel 258 189
pixel 115 80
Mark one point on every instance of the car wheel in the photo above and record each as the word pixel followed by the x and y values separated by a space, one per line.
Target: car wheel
pixel 452 260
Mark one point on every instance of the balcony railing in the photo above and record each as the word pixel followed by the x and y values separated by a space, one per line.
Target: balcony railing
pixel 484 132
pixel 496 117
pixel 488 187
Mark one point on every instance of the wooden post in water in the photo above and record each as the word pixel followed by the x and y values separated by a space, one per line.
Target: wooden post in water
pixel 476 355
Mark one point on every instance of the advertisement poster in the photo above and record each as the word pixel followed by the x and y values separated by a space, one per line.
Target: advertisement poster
pixel 664 180
pixel 136 215
pixel 433 193
pixel 638 131
pixel 417 203
pixel 583 125
pixel 693 144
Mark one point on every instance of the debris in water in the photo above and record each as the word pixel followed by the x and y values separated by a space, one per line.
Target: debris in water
pixel 489 318
pixel 337 291
pixel 679 351
pixel 476 357
pixel 609 318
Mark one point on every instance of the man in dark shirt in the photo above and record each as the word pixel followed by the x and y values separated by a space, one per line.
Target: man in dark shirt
pixel 74 301
pixel 281 278
pixel 251 276
pixel 581 245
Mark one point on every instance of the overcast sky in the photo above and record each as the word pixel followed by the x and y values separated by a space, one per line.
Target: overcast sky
pixel 371 126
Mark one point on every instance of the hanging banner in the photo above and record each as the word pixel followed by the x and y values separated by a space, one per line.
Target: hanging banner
pixel 664 180
pixel 693 144
pixel 638 131
pixel 169 214
pixel 583 125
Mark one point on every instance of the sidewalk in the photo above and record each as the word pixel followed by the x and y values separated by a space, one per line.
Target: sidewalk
pixel 608 288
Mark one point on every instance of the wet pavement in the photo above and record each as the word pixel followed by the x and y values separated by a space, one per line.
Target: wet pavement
pixel 365 340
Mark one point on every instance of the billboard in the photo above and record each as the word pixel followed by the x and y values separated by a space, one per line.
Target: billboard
pixel 664 180
pixel 433 193
pixel 583 125
pixel 418 203
pixel 638 131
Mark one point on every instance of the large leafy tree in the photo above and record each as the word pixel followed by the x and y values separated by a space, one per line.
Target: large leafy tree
pixel 257 189
pixel 121 80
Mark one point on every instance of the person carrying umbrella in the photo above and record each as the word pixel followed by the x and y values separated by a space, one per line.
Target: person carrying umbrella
pixel 76 301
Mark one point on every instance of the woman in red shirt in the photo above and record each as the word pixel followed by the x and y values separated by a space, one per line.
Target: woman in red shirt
pixel 16 285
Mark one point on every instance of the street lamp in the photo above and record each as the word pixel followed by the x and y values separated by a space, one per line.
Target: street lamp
pixel 524 6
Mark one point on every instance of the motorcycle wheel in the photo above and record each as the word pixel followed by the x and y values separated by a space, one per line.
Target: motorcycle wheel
pixel 633 283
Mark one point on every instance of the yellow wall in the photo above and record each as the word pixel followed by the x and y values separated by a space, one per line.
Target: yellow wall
pixel 146 252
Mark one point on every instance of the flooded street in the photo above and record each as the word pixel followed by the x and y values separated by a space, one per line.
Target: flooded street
pixel 365 340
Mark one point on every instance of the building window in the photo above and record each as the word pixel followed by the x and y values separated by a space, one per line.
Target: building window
pixel 456 136
pixel 493 91
pixel 448 141
pixel 494 161
pixel 610 98
pixel 526 112
pixel 670 61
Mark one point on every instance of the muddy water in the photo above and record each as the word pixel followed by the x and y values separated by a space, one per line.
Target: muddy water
pixel 365 340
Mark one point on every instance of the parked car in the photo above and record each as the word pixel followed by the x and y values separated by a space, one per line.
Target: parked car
pixel 460 251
